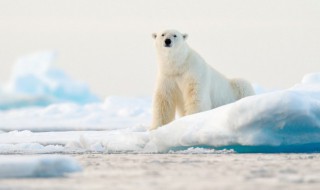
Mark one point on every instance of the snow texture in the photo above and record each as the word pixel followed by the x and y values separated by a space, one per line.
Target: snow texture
pixel 37 166
pixel 36 82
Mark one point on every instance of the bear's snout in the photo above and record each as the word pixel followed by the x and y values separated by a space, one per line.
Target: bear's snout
pixel 167 42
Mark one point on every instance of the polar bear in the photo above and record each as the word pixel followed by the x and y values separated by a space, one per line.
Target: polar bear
pixel 186 84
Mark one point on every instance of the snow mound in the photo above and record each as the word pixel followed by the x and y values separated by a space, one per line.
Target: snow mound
pixel 35 81
pixel 288 117
pixel 37 166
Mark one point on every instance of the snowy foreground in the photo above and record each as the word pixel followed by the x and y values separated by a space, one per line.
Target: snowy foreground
pixel 183 171
pixel 281 121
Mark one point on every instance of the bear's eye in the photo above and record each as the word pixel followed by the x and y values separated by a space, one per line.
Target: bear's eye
pixel 175 36
pixel 162 35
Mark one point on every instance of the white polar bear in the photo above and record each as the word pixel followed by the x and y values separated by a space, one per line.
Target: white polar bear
pixel 186 84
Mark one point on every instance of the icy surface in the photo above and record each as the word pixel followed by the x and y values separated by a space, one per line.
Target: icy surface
pixel 198 150
pixel 183 171
pixel 37 166
pixel 36 82
pixel 279 121
pixel 113 113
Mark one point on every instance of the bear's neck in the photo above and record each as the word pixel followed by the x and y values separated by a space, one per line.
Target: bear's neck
pixel 173 63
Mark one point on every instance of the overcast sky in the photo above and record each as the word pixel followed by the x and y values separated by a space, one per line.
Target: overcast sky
pixel 108 44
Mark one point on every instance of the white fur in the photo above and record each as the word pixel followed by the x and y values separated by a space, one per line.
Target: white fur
pixel 186 84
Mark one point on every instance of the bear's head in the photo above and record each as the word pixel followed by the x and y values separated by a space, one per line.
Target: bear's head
pixel 169 40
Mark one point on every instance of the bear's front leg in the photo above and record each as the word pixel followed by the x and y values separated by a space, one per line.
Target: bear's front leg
pixel 191 98
pixel 163 105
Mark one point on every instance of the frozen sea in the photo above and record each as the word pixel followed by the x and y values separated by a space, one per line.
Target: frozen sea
pixel 56 134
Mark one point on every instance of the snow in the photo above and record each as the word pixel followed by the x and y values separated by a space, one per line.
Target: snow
pixel 287 117
pixel 113 113
pixel 281 121
pixel 36 82
pixel 183 171
pixel 37 166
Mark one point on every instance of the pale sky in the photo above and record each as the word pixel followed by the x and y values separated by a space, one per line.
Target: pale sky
pixel 108 44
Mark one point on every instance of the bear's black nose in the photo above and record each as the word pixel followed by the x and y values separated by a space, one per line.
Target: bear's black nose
pixel 167 42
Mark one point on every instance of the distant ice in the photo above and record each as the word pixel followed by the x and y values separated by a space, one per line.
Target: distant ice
pixel 36 82
pixel 37 166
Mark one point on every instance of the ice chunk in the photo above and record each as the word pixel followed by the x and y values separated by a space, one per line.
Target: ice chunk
pixel 37 166
pixel 312 78
pixel 35 81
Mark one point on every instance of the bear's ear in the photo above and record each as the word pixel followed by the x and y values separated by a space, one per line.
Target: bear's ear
pixel 185 36
pixel 154 35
